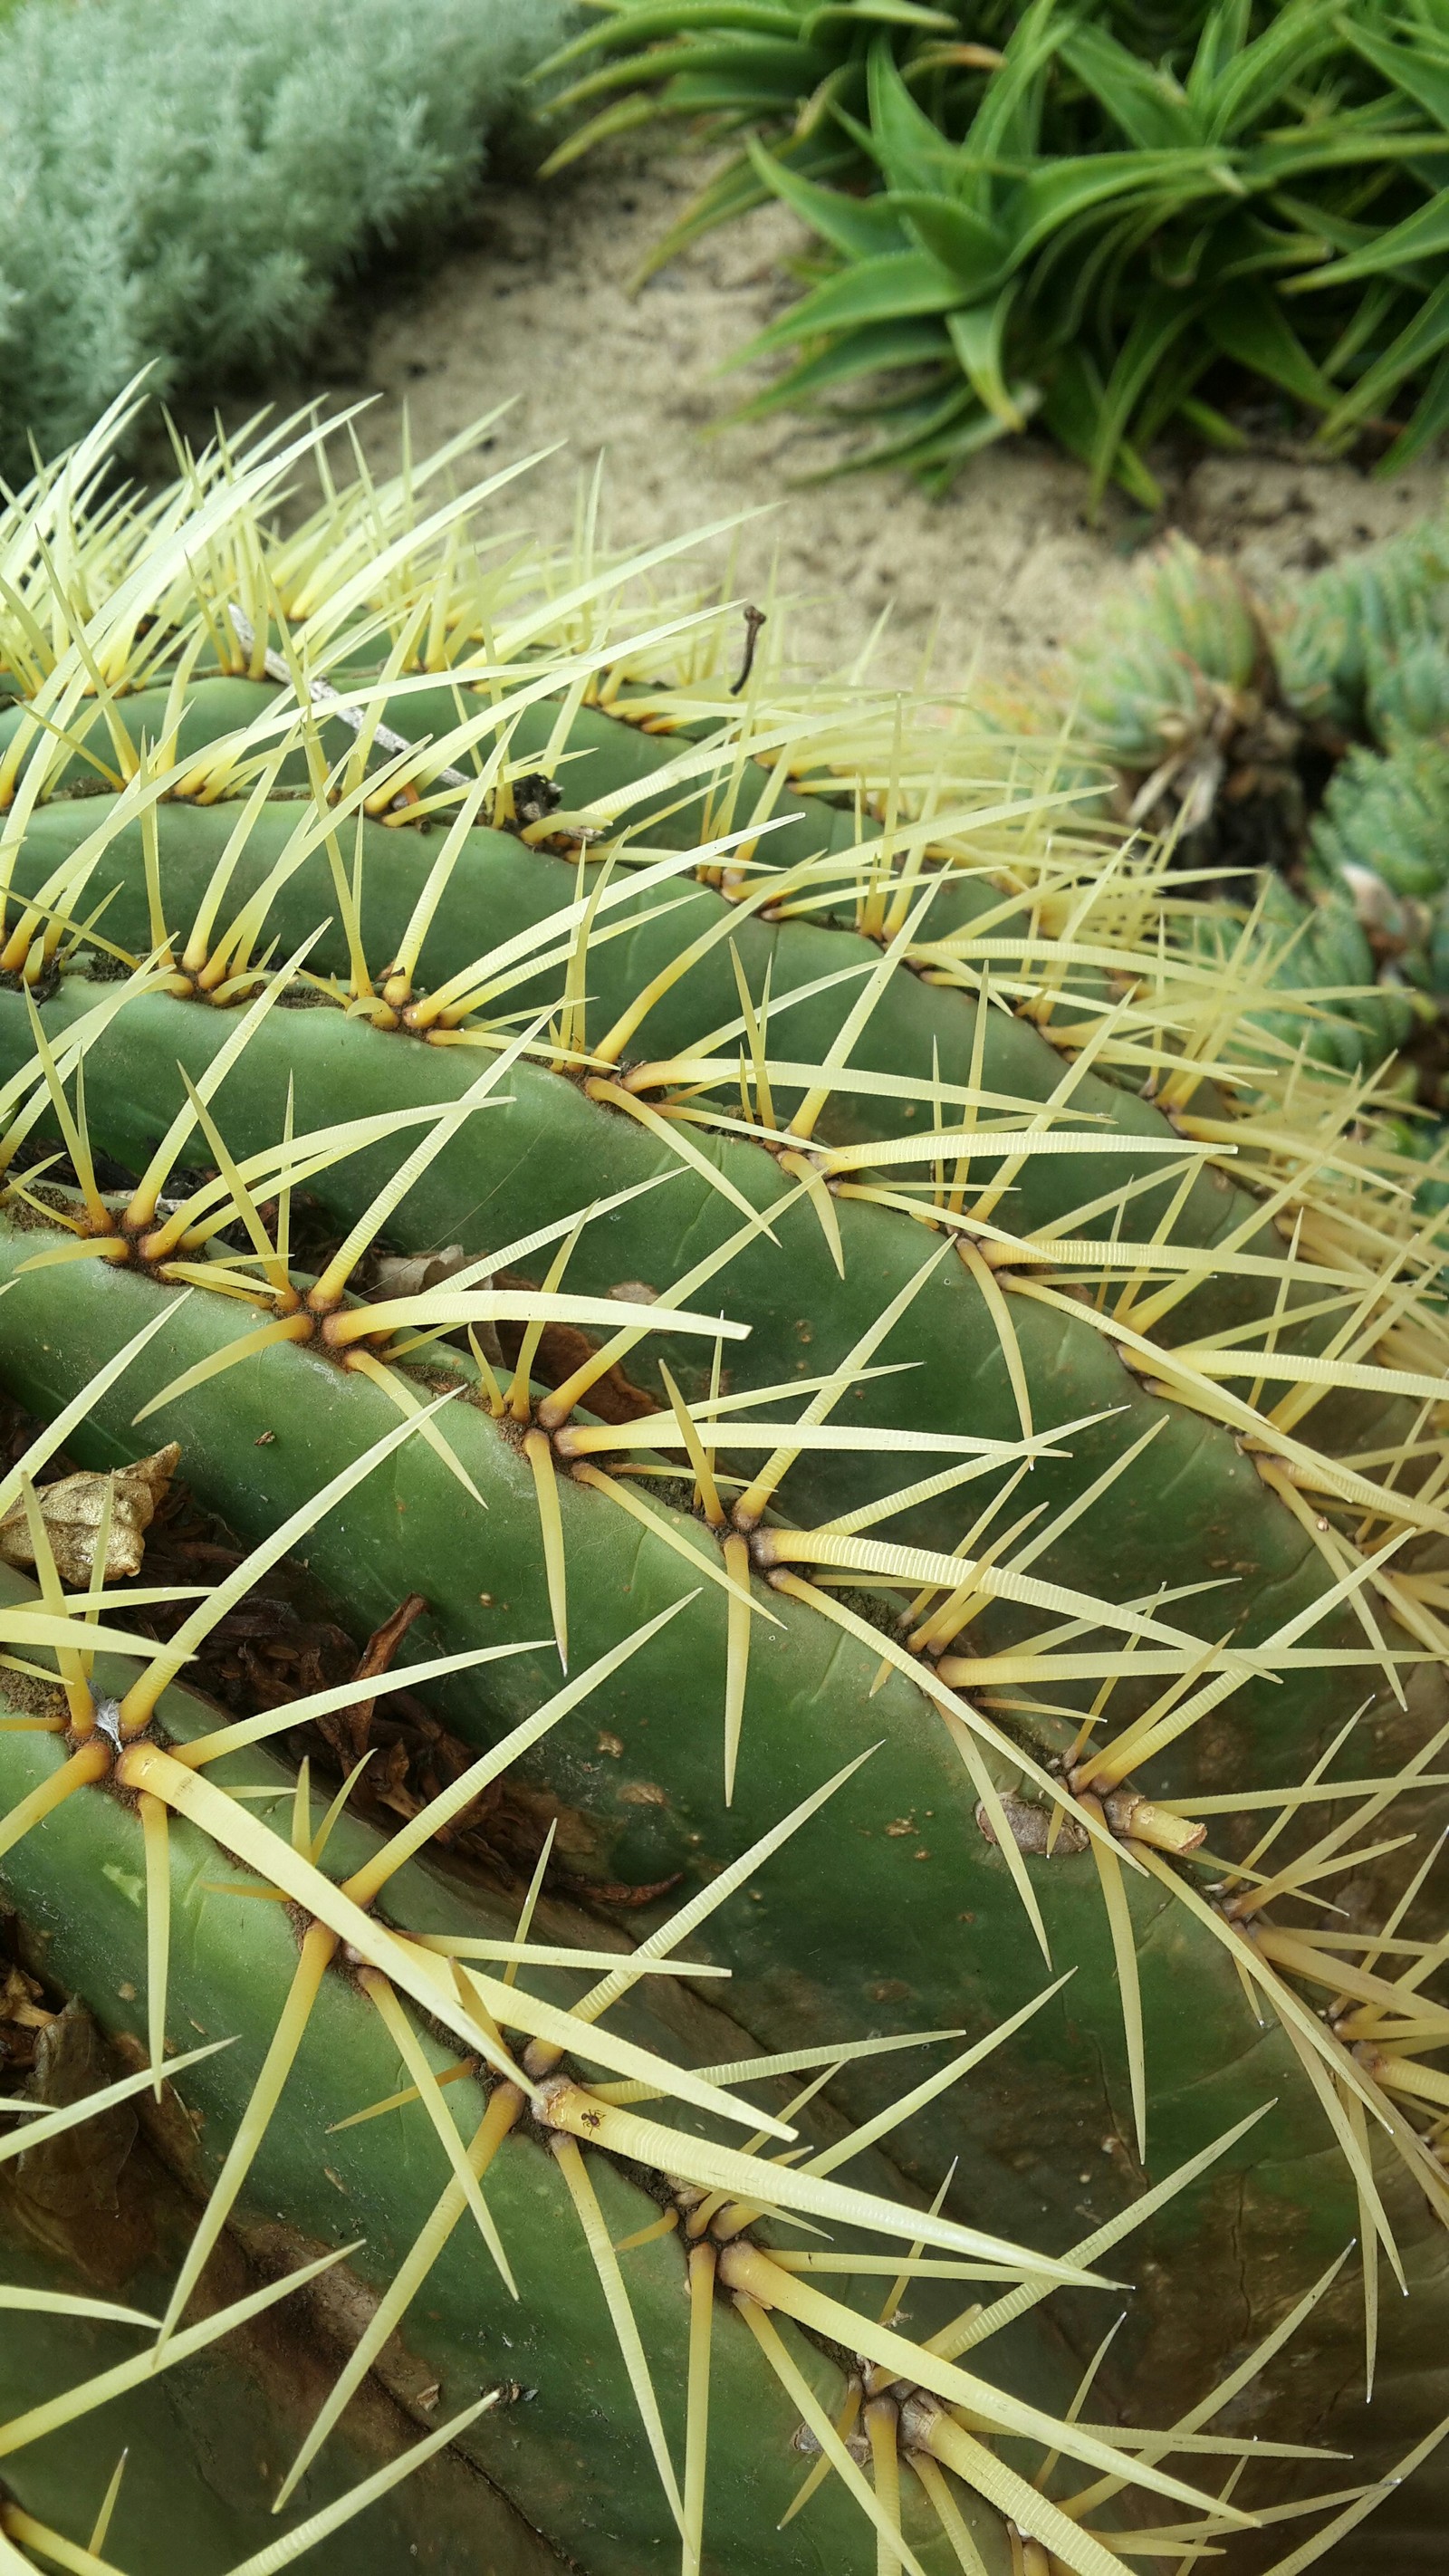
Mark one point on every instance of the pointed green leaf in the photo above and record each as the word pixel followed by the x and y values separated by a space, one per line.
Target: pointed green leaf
pixel 861 227
pixel 1408 355
pixel 1410 68
pixel 911 151
pixel 1255 79
pixel 1143 100
pixel 867 352
pixel 669 18
pixel 877 290
pixel 973 249
pixel 1422 235
pixel 1248 323
pixel 1163 316
pixel 977 336
pixel 1061 191
pixel 1427 424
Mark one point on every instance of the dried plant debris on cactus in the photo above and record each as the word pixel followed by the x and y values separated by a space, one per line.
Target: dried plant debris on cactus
pixel 1110 223
pixel 846 1378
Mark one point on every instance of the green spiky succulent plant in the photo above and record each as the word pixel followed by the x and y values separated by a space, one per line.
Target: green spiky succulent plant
pixel 1354 621
pixel 1091 221
pixel 1177 687
pixel 1327 775
pixel 1383 836
pixel 900 1488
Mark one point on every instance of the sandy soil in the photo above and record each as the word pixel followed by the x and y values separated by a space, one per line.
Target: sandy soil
pixel 535 306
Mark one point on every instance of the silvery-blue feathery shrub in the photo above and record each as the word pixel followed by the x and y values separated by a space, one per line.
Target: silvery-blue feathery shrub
pixel 185 184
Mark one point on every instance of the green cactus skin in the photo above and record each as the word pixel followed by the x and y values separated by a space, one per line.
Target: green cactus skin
pixel 217 706
pixel 202 2444
pixel 796 1731
pixel 570 2454
pixel 893 1910
pixel 923 1774
pixel 500 888
pixel 238 1958
pixel 549 1152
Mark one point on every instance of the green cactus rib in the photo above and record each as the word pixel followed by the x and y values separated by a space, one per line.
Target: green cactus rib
pixel 566 2449
pixel 1217 663
pixel 195 2487
pixel 572 2456
pixel 500 888
pixel 810 1707
pixel 803 1711
pixel 598 751
pixel 919 1031
pixel 647 747
pixel 1190 1503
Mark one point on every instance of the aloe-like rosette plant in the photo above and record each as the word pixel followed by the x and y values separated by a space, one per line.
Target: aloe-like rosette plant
pixel 904 1466
pixel 782 67
pixel 778 68
pixel 1090 228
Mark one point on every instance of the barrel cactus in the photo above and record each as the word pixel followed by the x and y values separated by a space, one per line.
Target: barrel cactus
pixel 816 1947
pixel 132 2470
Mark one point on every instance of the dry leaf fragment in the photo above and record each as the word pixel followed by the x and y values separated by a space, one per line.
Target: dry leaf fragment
pixel 403 1274
pixel 20 2002
pixel 406 1274
pixel 72 1509
pixel 73 2178
pixel 1031 1831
